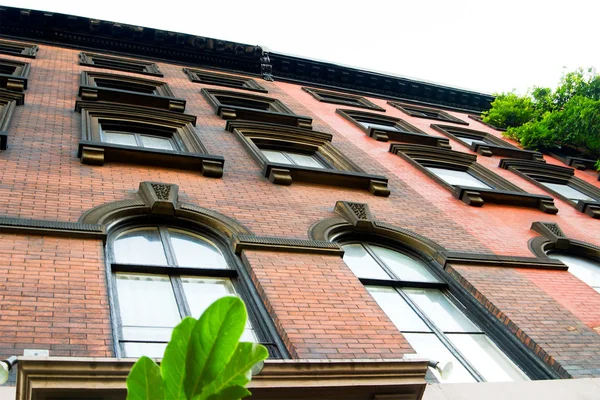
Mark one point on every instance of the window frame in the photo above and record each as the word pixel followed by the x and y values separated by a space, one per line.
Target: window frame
pixel 480 120
pixel 29 50
pixel 191 154
pixel 17 80
pixel 502 191
pixel 535 172
pixel 351 99
pixel 493 147
pixel 236 272
pixel 232 81
pixel 9 100
pixel 417 111
pixel 476 314
pixel 162 97
pixel 341 171
pixel 278 113
pixel 148 68
pixel 402 130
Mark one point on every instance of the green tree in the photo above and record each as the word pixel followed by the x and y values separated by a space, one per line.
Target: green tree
pixel 203 361
pixel 567 118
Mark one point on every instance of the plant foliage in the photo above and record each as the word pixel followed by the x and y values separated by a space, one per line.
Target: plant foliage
pixel 203 361
pixel 567 118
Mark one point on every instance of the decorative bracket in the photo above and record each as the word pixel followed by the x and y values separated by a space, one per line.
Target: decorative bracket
pixel 162 198
pixel 266 69
pixel 590 208
pixel 357 214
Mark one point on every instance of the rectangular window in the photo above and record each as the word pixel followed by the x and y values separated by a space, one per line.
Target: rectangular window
pixel 342 98
pixel 118 63
pixel 18 49
pixel 458 178
pixel 567 191
pixel 214 78
pixel 426 112
pixel 290 158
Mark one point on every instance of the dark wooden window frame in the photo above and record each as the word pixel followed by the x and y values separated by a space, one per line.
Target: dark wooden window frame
pixel 120 64
pixel 277 113
pixel 405 132
pixel 415 111
pixel 240 279
pixel 9 101
pixel 214 78
pixel 502 191
pixel 91 89
pixel 493 147
pixel 536 172
pixel 191 155
pixel 342 171
pixel 350 99
pixel 17 80
pixel 579 163
pixel 28 50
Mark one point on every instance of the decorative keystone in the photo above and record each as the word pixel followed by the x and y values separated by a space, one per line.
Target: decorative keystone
pixel 160 197
pixel 552 231
pixel 357 214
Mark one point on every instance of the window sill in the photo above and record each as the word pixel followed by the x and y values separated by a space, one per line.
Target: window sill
pixel 284 174
pixel 95 93
pixel 477 197
pixel 384 135
pixel 96 153
pixel 489 150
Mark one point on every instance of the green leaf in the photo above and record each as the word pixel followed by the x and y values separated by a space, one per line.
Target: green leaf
pixel 172 365
pixel 144 381
pixel 231 393
pixel 238 370
pixel 212 343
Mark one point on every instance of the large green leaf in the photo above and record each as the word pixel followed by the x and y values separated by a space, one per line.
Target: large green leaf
pixel 144 381
pixel 212 343
pixel 172 365
pixel 231 393
pixel 238 371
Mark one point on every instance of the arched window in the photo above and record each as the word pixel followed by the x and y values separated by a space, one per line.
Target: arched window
pixel 429 317
pixel 584 268
pixel 160 274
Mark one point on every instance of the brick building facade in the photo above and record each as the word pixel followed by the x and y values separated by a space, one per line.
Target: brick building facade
pixel 98 146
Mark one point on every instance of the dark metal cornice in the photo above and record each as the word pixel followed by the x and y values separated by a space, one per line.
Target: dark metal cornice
pixel 191 50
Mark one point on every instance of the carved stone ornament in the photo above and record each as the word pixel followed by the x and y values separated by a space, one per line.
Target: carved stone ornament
pixel 357 214
pixel 162 198
pixel 552 231
pixel 266 69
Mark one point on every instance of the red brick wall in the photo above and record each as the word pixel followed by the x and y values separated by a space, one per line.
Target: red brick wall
pixel 53 296
pixel 321 309
pixel 517 297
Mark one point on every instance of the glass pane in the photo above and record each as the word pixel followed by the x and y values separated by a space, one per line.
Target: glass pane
pixel 461 178
pixel 147 306
pixel 470 141
pixel 202 292
pixel 375 125
pixel 139 246
pixel 445 315
pixel 584 268
pixel 276 156
pixel 397 309
pixel 193 251
pixel 429 346
pixel 305 160
pixel 361 263
pixel 152 350
pixel 127 139
pixel 487 359
pixel 405 267
pixel 567 191
pixel 155 142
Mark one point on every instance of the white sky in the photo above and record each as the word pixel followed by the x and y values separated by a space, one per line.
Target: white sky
pixel 486 46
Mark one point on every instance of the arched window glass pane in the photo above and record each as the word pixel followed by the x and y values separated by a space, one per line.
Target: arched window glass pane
pixel 427 345
pixel 487 358
pixel 361 262
pixel 193 251
pixel 139 246
pixel 584 268
pixel 397 310
pixel 153 318
pixel 404 267
pixel 202 292
pixel 445 315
